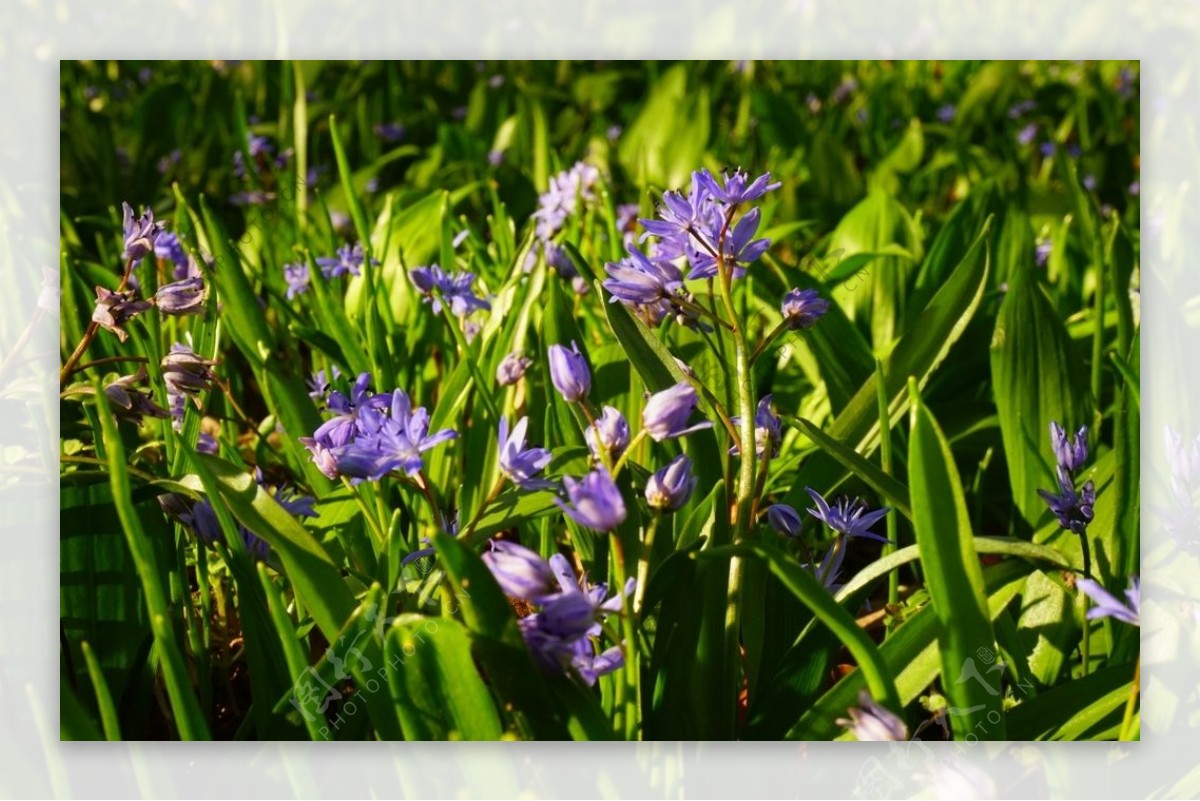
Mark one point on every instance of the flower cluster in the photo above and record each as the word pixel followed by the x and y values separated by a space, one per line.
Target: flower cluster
pixel 699 229
pixel 1072 508
pixel 700 226
pixel 143 237
pixel 562 198
pixel 438 287
pixel 348 261
pixel 372 435
pixel 562 633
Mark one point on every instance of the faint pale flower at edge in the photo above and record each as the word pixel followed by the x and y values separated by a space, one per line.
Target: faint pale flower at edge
pixel 871 722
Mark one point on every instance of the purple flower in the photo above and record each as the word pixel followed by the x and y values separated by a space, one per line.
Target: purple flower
pixel 389 131
pixel 803 307
pixel 115 309
pixel 518 463
pixel 181 297
pixel 1109 606
pixel 349 261
pixel 169 162
pixel 843 90
pixel 848 516
pixel 739 248
pixel 495 157
pixel 140 233
pixel 130 403
pixel 666 413
pixel 613 133
pixel 520 572
pixel 669 488
pixel 736 189
pixel 1074 510
pixel 1042 252
pixel 562 198
pixel 784 519
pixel 318 384
pixel 569 372
pixel 437 286
pixel 870 722
pixel 946 113
pixel 830 567
pixel 345 426
pixel 298 279
pixel 390 439
pixel 322 456
pixel 1027 134
pixel 1089 183
pixel 1019 110
pixel 595 501
pixel 203 522
pixel 1047 149
pixel 1070 452
pixel 207 443
pixel 186 375
pixel 511 368
pixel 167 247
pixel 680 215
pixel 638 280
pixel 768 429
pixel 560 635
pixel 608 435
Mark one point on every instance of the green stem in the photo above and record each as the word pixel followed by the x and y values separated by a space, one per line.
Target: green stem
pixel 366 511
pixel 464 352
pixel 637 440
pixel 885 449
pixel 1085 645
pixel 1134 688
pixel 629 647
pixel 776 332
pixel 746 474
pixel 644 562
pixel 1098 335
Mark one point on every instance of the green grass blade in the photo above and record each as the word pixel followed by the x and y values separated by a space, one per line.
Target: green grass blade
pixel 952 575
pixel 188 716
pixel 104 701
pixel 888 487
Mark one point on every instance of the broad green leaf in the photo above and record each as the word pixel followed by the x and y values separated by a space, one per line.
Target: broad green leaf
pixel 952 574
pixel 878 224
pixel 1038 380
pixel 437 691
pixel 1047 626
